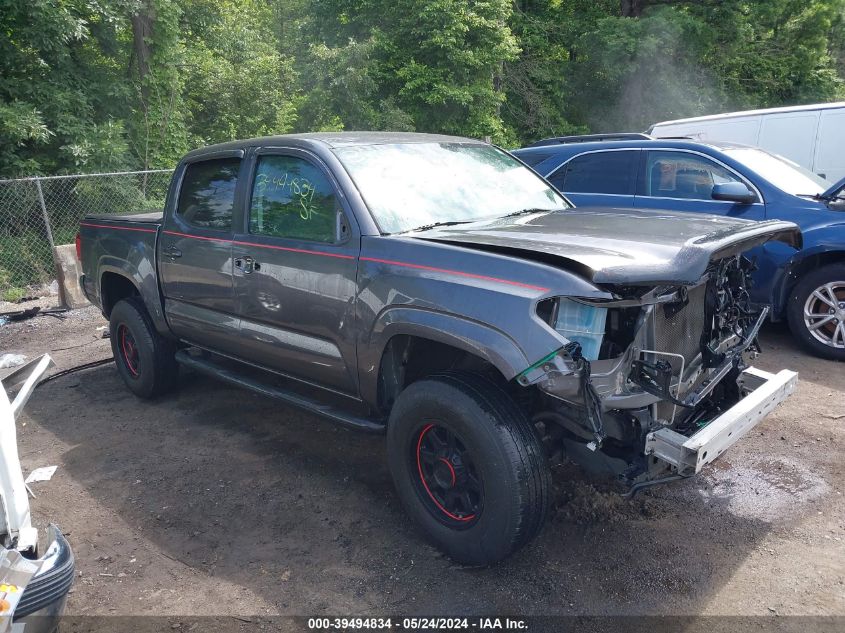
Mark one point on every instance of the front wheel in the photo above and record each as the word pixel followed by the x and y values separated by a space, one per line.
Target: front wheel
pixel 468 467
pixel 816 312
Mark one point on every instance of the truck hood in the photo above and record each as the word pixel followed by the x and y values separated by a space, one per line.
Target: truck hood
pixel 619 246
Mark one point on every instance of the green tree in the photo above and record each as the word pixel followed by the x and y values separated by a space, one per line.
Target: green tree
pixel 236 82
pixel 59 89
pixel 157 130
pixel 89 85
pixel 607 65
pixel 433 66
pixel 443 62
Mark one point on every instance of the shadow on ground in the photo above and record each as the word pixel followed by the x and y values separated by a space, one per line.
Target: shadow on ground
pixel 302 513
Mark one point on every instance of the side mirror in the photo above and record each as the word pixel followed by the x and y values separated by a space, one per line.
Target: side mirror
pixel 733 192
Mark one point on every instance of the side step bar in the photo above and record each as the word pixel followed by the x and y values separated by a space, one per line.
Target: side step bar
pixel 216 370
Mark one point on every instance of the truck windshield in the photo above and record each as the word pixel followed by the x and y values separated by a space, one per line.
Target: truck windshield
pixel 782 173
pixel 412 185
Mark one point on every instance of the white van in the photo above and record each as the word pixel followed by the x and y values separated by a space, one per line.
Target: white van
pixel 812 135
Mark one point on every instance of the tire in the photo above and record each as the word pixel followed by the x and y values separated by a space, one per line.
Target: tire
pixel 145 360
pixel 827 339
pixel 492 496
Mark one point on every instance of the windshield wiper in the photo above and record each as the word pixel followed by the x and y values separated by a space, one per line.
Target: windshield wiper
pixel 525 212
pixel 434 225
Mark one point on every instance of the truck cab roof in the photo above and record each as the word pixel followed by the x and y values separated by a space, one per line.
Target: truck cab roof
pixel 330 140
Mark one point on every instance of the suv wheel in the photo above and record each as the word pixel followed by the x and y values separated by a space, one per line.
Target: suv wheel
pixel 144 359
pixel 468 466
pixel 816 312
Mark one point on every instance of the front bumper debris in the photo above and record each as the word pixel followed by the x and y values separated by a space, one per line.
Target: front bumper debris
pixel 33 589
pixel 688 455
pixel 43 599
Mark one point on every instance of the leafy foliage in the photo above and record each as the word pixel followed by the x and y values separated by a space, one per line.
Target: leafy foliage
pixel 91 85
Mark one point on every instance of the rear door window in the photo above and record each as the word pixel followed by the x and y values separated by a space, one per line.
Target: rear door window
pixel 207 195
pixel 598 172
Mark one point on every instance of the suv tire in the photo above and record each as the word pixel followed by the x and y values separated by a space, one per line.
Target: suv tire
pixel 145 359
pixel 827 339
pixel 468 466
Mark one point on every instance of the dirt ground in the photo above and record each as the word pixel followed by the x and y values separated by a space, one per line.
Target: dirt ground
pixel 217 501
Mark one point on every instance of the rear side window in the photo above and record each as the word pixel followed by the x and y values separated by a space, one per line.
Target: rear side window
pixel 293 198
pixel 601 172
pixel 207 197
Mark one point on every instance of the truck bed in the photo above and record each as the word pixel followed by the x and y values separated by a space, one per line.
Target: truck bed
pixel 122 245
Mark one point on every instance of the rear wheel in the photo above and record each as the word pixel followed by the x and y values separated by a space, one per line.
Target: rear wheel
pixel 145 359
pixel 816 312
pixel 468 466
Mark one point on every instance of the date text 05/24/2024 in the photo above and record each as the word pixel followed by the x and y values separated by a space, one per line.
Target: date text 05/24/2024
pixel 417 624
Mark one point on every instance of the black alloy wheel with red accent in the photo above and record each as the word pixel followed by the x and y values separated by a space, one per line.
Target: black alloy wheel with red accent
pixel 144 359
pixel 128 351
pixel 448 476
pixel 468 466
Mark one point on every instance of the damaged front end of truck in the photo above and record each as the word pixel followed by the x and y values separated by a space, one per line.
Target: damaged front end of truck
pixel 651 378
pixel 655 383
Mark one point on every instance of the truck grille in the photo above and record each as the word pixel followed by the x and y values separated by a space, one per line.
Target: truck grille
pixel 681 333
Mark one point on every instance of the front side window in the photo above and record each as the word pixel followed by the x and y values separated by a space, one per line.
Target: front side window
pixel 411 185
pixel 601 172
pixel 207 196
pixel 683 175
pixel 292 198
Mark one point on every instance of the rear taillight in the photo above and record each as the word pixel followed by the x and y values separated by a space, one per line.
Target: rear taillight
pixel 79 246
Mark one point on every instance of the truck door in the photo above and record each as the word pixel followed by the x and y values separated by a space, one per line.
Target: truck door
pixel 295 269
pixel 195 253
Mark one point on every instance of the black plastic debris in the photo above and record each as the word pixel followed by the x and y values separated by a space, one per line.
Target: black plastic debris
pixel 23 315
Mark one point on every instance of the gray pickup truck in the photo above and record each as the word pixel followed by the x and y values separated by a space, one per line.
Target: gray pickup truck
pixel 436 289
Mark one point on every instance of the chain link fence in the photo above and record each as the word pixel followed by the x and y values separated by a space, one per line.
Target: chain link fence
pixel 38 213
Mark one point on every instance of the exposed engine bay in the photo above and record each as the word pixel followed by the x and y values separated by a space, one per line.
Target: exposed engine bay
pixel 661 359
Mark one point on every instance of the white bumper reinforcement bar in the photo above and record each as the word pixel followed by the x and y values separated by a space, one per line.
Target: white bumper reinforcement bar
pixel 690 454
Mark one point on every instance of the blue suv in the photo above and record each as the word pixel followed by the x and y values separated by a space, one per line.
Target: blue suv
pixel 806 287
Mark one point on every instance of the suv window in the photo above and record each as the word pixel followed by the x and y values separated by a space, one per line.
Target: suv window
pixel 683 175
pixel 532 159
pixel 207 196
pixel 600 172
pixel 292 198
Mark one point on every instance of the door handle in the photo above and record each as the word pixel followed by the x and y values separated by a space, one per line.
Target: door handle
pixel 245 264
pixel 172 251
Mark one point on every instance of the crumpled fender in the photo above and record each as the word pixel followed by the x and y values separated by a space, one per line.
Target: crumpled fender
pixel 481 340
